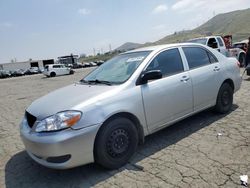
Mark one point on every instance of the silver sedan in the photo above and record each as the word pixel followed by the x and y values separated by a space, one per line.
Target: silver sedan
pixel 103 117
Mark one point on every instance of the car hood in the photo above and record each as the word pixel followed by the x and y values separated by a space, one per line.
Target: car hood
pixel 66 98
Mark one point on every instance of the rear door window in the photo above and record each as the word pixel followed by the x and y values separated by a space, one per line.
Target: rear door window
pixel 196 57
pixel 212 58
pixel 168 62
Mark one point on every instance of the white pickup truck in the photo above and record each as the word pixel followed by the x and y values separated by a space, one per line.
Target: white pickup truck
pixel 223 45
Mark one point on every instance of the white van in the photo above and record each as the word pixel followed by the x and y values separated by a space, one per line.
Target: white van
pixel 57 69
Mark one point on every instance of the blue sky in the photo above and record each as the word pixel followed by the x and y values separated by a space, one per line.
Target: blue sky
pixel 41 29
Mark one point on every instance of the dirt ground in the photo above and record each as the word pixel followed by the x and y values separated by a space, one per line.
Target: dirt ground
pixel 206 150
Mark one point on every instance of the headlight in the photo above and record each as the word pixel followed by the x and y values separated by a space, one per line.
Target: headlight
pixel 61 120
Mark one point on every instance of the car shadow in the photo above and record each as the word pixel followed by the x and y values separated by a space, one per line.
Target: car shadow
pixel 22 171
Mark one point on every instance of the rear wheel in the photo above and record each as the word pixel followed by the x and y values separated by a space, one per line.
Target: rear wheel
pixel 52 74
pixel 116 143
pixel 224 99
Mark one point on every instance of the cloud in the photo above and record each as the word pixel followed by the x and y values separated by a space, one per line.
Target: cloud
pixel 6 25
pixel 84 11
pixel 204 5
pixel 160 9
pixel 187 5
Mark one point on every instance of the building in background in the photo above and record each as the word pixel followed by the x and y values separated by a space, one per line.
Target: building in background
pixel 68 60
pixel 26 64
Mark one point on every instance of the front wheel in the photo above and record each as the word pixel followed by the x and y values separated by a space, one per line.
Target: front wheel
pixel 224 99
pixel 116 143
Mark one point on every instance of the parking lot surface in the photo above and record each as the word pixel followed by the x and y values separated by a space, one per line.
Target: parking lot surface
pixel 206 150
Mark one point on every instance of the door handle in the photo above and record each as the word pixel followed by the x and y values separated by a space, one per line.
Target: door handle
pixel 184 78
pixel 216 68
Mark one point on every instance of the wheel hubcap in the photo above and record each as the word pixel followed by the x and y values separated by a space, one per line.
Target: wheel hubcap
pixel 118 143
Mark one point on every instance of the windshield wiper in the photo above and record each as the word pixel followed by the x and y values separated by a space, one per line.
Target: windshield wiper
pixel 97 82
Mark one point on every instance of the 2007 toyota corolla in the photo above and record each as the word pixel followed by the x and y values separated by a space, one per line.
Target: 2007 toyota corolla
pixel 104 116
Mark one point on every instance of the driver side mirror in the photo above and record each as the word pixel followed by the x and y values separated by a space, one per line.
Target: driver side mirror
pixel 150 75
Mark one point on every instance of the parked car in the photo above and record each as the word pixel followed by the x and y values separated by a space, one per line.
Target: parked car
pixel 32 70
pixel 5 74
pixel 77 65
pixel 242 45
pixel 41 70
pixel 19 72
pixel 86 65
pixel 93 64
pixel 223 45
pixel 105 115
pixel 99 62
pixel 57 70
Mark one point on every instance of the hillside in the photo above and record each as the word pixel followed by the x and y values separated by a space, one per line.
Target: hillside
pixel 128 46
pixel 235 23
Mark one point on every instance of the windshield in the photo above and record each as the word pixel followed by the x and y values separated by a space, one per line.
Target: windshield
pixel 199 41
pixel 118 69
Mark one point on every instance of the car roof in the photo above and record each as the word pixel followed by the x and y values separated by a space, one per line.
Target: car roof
pixel 161 47
pixel 206 37
pixel 239 43
pixel 242 42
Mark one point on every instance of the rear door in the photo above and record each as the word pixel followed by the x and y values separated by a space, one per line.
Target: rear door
pixel 56 69
pixel 203 69
pixel 169 98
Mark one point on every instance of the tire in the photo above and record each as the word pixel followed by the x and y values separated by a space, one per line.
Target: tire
pixel 224 99
pixel 71 72
pixel 52 74
pixel 242 59
pixel 116 143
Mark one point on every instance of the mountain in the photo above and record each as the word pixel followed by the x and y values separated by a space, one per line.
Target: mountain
pixel 235 23
pixel 128 46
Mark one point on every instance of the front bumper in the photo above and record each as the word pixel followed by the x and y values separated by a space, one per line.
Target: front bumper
pixel 76 145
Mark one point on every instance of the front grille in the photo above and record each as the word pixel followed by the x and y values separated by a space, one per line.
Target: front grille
pixel 30 119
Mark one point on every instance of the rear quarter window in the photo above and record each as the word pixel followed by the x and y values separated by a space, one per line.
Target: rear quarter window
pixel 212 57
